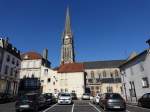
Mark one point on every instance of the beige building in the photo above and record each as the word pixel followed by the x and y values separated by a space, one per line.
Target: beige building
pixel 72 78
pixel 103 76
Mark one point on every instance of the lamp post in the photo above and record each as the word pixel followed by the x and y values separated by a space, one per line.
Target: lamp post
pixel 124 84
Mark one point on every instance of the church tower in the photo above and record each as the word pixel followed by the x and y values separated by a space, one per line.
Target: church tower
pixel 67 48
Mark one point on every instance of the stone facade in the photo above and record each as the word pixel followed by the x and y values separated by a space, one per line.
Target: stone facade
pixel 103 76
pixel 10 62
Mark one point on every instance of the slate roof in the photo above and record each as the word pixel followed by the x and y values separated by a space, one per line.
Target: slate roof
pixel 103 64
pixel 71 67
pixel 140 57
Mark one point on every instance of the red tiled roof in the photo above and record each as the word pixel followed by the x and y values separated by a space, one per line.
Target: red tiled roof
pixel 71 67
pixel 31 56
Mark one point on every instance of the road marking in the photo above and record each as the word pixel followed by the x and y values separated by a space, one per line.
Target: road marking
pixel 49 108
pixel 138 107
pixel 72 108
pixel 94 107
pixel 127 111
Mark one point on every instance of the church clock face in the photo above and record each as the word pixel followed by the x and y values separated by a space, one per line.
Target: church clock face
pixel 66 36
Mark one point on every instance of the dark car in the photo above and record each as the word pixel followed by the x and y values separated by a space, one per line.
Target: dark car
pixel 50 98
pixel 144 101
pixel 74 96
pixel 6 97
pixel 28 101
pixel 112 101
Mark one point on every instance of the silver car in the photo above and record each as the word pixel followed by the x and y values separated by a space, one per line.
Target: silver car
pixel 64 98
pixel 112 101
pixel 86 96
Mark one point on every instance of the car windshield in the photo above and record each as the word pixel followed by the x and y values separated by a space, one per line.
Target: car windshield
pixel 86 94
pixel 65 95
pixel 113 96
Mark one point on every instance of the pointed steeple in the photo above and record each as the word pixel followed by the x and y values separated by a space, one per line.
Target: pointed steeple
pixel 67 49
pixel 67 23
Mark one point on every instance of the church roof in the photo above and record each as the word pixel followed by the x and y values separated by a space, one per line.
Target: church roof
pixel 31 56
pixel 103 64
pixel 71 67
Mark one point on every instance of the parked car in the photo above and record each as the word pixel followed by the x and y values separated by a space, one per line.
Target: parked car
pixel 86 96
pixel 112 101
pixel 6 97
pixel 144 101
pixel 28 101
pixel 74 96
pixel 42 101
pixel 64 98
pixel 50 98
pixel 96 99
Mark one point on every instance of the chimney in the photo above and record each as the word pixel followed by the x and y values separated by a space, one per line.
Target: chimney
pixel 45 54
pixel 148 42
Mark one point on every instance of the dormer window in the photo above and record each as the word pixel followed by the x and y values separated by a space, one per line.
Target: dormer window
pixel 26 57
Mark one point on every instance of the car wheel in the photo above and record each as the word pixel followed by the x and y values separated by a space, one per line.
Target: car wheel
pixel 17 110
pixel 139 104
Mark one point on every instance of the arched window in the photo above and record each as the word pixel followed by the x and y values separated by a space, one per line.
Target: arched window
pixel 92 74
pixel 104 73
pixel 111 74
pixel 116 73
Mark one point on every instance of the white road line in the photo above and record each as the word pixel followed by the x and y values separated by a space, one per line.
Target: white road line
pixel 72 108
pixel 138 107
pixel 49 108
pixel 127 111
pixel 94 107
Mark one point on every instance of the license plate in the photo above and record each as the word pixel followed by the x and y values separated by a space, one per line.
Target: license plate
pixel 24 106
pixel 116 106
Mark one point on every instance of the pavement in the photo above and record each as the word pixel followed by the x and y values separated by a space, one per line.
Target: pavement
pixel 78 106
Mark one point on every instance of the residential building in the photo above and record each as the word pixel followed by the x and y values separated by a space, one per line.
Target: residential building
pixel 35 65
pixel 136 76
pixel 9 67
pixel 103 76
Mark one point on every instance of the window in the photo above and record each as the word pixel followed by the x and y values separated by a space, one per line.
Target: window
pixel 99 75
pixel 8 58
pixel 104 73
pixel 109 89
pixel 6 69
pixel 111 74
pixel 90 80
pixel 97 87
pixel 116 73
pixel 141 67
pixel 92 74
pixel 92 88
pixel 17 63
pixel 45 71
pixel 13 61
pixel 49 80
pixel 145 83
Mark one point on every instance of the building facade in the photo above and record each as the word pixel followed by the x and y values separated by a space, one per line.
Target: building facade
pixel 103 76
pixel 10 62
pixel 35 65
pixel 136 76
pixel 72 78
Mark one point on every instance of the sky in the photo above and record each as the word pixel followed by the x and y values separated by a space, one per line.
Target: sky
pixel 102 29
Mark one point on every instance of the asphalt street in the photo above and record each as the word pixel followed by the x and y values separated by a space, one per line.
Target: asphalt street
pixel 78 106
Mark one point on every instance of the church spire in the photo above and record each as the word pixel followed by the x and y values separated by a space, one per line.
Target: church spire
pixel 67 24
pixel 67 48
